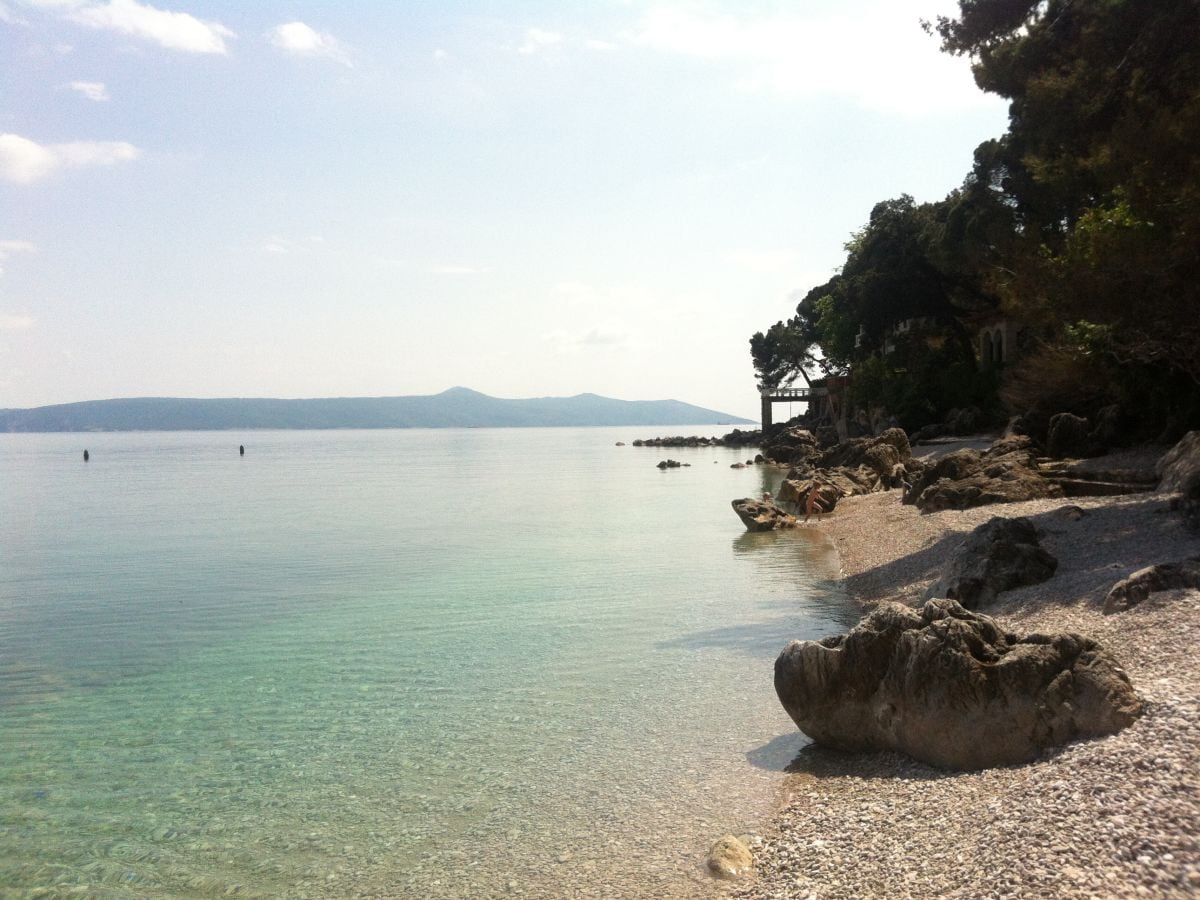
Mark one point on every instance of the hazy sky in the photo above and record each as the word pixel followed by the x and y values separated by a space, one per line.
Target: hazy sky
pixel 298 199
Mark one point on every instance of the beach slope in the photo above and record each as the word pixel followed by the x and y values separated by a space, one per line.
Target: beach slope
pixel 1114 817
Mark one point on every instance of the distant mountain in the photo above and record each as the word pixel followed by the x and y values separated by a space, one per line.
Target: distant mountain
pixel 456 408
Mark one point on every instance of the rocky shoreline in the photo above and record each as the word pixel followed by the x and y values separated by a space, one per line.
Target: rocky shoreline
pixel 1111 817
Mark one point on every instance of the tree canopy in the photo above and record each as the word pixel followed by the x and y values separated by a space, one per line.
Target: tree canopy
pixel 1082 220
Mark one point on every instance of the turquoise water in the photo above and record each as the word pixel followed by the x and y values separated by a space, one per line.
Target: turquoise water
pixel 392 663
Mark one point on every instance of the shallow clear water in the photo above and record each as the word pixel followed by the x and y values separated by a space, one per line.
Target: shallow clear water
pixel 387 663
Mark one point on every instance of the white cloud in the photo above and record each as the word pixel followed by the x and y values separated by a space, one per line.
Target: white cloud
pixel 24 161
pixel 300 39
pixel 173 30
pixel 9 249
pixel 93 90
pixel 15 321
pixel 877 56
pixel 599 45
pixel 537 39
pixel 439 54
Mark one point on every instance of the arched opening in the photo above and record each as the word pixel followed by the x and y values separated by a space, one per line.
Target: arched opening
pixel 998 349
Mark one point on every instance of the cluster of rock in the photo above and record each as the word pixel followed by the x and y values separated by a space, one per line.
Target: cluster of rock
pixel 758 460
pixel 794 444
pixel 739 438
pixel 856 466
pixel 968 420
pixel 951 688
pixel 1064 434
pixel 1007 472
pixel 680 441
pixel 672 464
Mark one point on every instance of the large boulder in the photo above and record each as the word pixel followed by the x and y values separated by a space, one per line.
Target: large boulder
pixel 1006 473
pixel 951 688
pixel 1179 473
pixel 881 452
pixel 793 445
pixel 1129 592
pixel 999 555
pixel 1179 468
pixel 762 515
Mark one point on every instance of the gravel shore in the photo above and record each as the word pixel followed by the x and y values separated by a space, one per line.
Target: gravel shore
pixel 1115 817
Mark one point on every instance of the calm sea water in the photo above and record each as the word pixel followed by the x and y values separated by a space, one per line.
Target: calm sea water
pixel 390 663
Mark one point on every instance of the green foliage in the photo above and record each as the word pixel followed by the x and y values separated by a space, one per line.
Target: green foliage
pixel 926 393
pixel 1099 166
pixel 1086 211
pixel 782 354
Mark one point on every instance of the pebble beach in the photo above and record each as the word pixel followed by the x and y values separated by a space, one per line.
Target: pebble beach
pixel 1114 817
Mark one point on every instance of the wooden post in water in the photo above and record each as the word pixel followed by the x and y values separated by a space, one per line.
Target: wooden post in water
pixel 85 455
pixel 241 449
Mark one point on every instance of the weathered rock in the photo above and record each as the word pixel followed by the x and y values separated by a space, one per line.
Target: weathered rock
pixel 966 478
pixel 670 464
pixel 1179 469
pixel 792 445
pixel 949 687
pixel 1068 436
pixel 678 441
pixel 762 515
pixel 730 858
pixel 827 436
pixel 739 438
pixel 999 555
pixel 884 450
pixel 798 490
pixel 1011 443
pixel 1129 592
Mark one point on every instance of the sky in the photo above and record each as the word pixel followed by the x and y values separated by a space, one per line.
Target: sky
pixel 306 199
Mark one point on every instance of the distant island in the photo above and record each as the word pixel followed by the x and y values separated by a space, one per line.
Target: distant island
pixel 457 407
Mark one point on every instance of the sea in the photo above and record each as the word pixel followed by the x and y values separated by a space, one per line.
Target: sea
pixel 395 663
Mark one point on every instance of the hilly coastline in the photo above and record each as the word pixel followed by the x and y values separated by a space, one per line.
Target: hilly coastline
pixel 457 407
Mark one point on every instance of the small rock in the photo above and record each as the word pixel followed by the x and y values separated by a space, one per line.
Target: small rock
pixel 729 858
